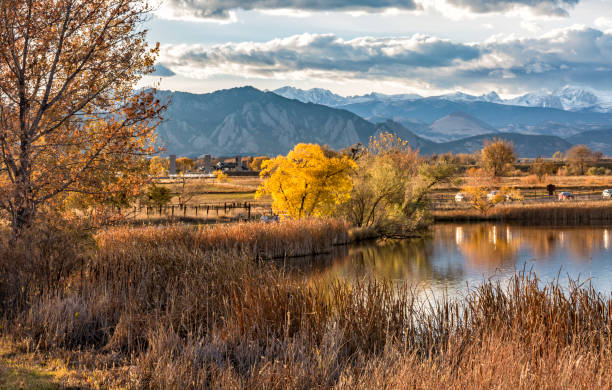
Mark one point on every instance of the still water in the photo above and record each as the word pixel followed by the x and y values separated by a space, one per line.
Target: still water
pixel 455 256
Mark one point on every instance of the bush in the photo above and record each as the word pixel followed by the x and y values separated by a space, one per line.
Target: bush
pixel 598 171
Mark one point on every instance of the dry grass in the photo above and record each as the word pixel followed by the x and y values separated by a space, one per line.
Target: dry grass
pixel 558 213
pixel 189 308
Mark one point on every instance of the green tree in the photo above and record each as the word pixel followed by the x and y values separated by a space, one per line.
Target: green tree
pixel 159 195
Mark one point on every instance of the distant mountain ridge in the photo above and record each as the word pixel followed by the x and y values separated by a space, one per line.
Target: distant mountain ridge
pixel 328 98
pixel 568 98
pixel 249 121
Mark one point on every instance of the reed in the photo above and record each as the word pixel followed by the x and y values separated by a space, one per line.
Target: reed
pixel 191 308
pixel 561 213
pixel 261 240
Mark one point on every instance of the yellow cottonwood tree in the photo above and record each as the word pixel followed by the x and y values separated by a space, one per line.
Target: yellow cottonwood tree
pixel 306 182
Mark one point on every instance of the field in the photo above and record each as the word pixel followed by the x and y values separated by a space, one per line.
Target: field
pixel 182 307
pixel 210 201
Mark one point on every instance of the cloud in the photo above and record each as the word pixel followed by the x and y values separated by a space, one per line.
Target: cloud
pixel 603 23
pixel 541 7
pixel 221 9
pixel 576 55
pixel 224 9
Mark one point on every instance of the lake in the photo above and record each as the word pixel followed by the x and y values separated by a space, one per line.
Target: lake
pixel 458 255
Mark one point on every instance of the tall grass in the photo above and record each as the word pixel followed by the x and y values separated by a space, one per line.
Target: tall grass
pixel 562 213
pixel 190 308
pixel 272 240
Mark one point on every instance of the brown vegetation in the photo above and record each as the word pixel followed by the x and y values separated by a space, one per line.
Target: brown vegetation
pixel 557 213
pixel 189 308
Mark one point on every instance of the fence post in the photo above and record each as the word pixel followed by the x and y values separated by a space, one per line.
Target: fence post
pixel 249 211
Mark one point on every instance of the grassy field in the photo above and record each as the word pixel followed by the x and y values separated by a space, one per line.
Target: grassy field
pixel 210 201
pixel 182 307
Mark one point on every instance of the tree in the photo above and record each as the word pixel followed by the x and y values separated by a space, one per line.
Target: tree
pixel 306 182
pixel 542 168
pixel 481 197
pixel 158 166
pixel 184 164
pixel 558 156
pixel 69 119
pixel 391 185
pixel 496 156
pixel 579 158
pixel 221 176
pixel 159 196
pixel 257 161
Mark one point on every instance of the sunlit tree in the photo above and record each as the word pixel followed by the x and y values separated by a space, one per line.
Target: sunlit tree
pixel 255 165
pixel 158 166
pixel 306 182
pixel 184 164
pixel 483 198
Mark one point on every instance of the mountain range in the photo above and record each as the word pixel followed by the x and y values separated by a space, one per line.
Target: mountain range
pixel 568 98
pixel 249 121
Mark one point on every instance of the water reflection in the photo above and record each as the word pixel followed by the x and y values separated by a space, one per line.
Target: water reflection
pixel 460 253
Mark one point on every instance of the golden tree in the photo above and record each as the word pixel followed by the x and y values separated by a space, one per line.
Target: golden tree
pixel 184 164
pixel 158 166
pixel 496 155
pixel 255 165
pixel 483 198
pixel 69 119
pixel 306 182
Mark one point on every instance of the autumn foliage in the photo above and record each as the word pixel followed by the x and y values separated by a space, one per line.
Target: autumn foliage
pixel 71 124
pixel 307 182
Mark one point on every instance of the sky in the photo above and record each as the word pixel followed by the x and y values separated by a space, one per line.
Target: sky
pixel 429 47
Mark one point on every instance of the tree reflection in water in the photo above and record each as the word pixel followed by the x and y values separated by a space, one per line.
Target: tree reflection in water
pixel 460 253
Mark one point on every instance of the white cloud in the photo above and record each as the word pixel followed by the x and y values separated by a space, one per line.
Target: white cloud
pixel 603 23
pixel 454 9
pixel 574 55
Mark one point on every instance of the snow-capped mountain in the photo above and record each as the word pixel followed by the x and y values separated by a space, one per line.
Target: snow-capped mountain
pixel 328 98
pixel 567 98
pixel 314 95
pixel 491 97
